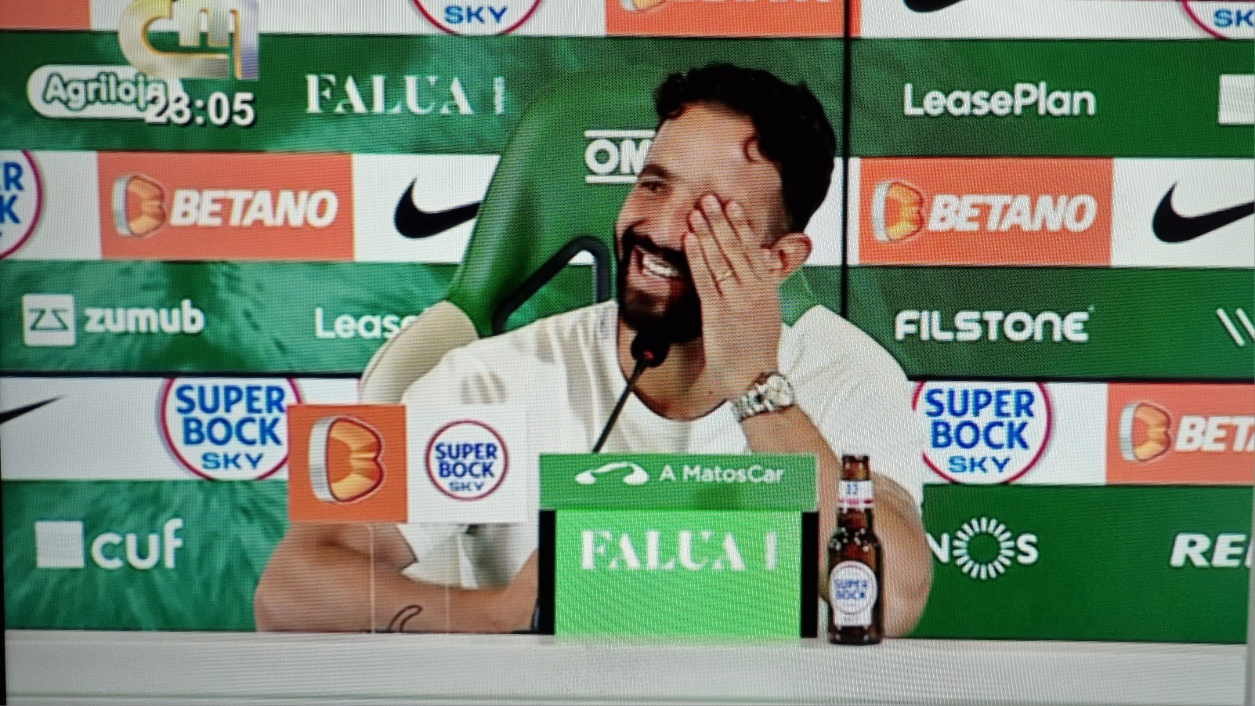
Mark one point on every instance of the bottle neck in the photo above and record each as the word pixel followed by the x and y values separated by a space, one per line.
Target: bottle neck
pixel 855 519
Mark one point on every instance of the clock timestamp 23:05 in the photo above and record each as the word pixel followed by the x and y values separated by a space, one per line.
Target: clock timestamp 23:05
pixel 220 109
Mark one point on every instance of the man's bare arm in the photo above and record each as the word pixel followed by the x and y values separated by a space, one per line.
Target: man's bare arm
pixel 907 564
pixel 347 577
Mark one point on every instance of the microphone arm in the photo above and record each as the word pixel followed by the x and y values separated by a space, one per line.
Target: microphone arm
pixel 648 351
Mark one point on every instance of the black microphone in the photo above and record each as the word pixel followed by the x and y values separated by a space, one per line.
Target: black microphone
pixel 649 350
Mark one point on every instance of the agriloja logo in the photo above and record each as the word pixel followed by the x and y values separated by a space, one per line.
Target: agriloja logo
pixel 983 432
pixel 227 428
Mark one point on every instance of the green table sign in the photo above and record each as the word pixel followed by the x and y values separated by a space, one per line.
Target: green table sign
pixel 670 545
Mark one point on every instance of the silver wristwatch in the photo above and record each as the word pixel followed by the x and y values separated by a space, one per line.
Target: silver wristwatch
pixel 771 392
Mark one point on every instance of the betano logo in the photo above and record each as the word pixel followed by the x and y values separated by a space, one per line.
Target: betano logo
pixel 345 459
pixel 1181 433
pixel 59 545
pixel 984 548
pixel 225 207
pixel 1022 99
pixel 725 18
pixel 995 211
pixel 224 20
pixel 347 463
pixel 21 199
pixel 615 156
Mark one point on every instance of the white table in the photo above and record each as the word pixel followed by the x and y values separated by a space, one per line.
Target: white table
pixel 134 667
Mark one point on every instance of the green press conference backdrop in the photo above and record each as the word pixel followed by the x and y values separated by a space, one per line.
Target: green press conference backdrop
pixel 1014 562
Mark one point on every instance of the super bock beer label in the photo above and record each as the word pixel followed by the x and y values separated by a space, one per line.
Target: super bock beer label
pixel 852 592
pixel 855 495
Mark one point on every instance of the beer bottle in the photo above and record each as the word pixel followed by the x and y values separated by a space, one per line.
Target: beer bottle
pixel 855 589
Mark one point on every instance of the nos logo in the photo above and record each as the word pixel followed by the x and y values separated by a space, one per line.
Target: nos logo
pixel 227 428
pixel 21 199
pixel 984 548
pixel 983 432
pixel 492 17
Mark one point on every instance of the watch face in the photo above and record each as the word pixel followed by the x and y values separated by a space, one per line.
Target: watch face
pixel 778 390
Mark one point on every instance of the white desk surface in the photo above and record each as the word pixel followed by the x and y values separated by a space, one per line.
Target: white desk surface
pixel 210 668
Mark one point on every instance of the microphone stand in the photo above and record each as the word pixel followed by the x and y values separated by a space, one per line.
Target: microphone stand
pixel 649 351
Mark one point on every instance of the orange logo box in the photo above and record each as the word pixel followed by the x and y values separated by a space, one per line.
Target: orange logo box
pixel 200 206
pixel 46 14
pixel 347 463
pixel 1000 211
pixel 1181 434
pixel 725 18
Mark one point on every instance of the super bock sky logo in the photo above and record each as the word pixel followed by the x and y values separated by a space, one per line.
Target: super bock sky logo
pixel 983 432
pixel 461 17
pixel 21 199
pixel 227 428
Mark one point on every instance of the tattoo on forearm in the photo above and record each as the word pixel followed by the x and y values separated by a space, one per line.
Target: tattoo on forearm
pixel 397 624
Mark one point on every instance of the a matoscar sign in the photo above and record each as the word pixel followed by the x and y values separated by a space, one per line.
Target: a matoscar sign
pixel 678 545
pixel 392 463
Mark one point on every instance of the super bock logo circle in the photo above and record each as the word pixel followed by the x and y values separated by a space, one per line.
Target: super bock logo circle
pixel 466 460
pixel 983 432
pixel 227 428
pixel 460 17
pixel 21 199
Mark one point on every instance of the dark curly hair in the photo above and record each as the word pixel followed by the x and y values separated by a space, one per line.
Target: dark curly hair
pixel 793 131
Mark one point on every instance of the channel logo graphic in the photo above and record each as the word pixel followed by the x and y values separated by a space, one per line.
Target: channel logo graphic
pixel 225 207
pixel 615 156
pixel 469 18
pixel 48 320
pixel 348 463
pixel 983 433
pixel 231 37
pixel 59 544
pixel 985 548
pixel 467 460
pixel 725 18
pixel 226 428
pixel 1181 434
pixel 21 199
pixel 996 211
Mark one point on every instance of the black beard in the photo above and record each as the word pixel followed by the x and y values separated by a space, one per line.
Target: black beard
pixel 681 321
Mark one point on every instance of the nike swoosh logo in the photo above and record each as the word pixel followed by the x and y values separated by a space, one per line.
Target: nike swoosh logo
pixel 413 222
pixel 10 415
pixel 929 5
pixel 1172 227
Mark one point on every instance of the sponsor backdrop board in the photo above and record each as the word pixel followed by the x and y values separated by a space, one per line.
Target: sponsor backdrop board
pixel 165 317
pixel 346 94
pixel 1009 562
pixel 1051 98
pixel 1041 323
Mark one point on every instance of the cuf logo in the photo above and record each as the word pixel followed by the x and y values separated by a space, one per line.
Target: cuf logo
pixel 982 432
pixel 461 17
pixel 466 460
pixel 227 429
pixel 224 19
pixel 636 475
pixel 21 199
pixel 345 459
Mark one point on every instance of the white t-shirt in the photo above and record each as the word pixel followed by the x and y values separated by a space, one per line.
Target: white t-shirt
pixel 564 371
